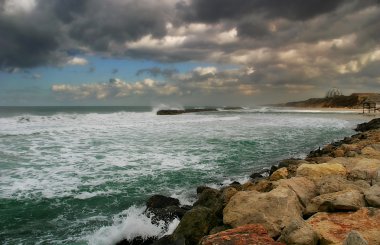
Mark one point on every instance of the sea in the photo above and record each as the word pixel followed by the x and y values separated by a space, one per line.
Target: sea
pixel 81 175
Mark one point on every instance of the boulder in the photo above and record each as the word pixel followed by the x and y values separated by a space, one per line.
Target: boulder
pixel 299 233
pixel 292 165
pixel 195 224
pixel 317 171
pixel 200 189
pixel 138 241
pixel 281 173
pixel 304 188
pixel 347 200
pixel 330 184
pixel 372 196
pixel 211 199
pixel 274 210
pixel 355 238
pixel 333 228
pixel 160 201
pixel 364 169
pixel 263 186
pixel 247 234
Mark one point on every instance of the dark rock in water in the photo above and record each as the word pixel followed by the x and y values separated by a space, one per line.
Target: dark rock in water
pixel 200 189
pixel 138 241
pixel 233 108
pixel 169 240
pixel 256 176
pixel 211 198
pixel 236 185
pixel 177 112
pixel 194 225
pixel 273 169
pixel 167 214
pixel 160 201
pixel 373 124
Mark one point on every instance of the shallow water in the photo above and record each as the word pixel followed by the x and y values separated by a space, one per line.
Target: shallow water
pixel 80 175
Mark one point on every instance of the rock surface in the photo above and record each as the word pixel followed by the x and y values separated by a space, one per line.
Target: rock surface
pixel 304 188
pixel 372 196
pixel 281 173
pixel 299 233
pixel 347 200
pixel 333 228
pixel 355 238
pixel 247 234
pixel 373 124
pixel 317 171
pixel 274 210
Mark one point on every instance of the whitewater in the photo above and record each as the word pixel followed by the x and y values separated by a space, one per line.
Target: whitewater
pixel 80 175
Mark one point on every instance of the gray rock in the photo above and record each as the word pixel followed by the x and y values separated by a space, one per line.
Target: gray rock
pixel 354 238
pixel 299 233
pixel 372 196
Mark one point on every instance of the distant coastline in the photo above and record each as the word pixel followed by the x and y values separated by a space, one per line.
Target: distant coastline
pixel 353 101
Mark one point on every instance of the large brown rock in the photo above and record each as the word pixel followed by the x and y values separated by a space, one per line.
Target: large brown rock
pixel 372 196
pixel 333 228
pixel 317 171
pixel 364 169
pixel 242 235
pixel 347 200
pixel 330 184
pixel 274 210
pixel 304 188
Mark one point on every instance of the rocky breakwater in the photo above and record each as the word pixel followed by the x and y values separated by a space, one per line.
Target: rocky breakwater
pixel 331 197
pixel 177 112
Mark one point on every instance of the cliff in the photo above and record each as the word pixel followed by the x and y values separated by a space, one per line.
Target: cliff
pixel 353 101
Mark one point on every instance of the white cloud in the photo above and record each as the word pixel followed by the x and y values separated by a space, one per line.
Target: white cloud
pixel 202 71
pixel 12 7
pixel 77 61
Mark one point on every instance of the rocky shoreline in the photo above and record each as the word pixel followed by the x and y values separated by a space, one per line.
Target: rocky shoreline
pixel 330 197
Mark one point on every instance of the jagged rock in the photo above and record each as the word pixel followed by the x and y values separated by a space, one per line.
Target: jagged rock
pixel 304 188
pixel 195 224
pixel 347 200
pixel 372 196
pixel 330 184
pixel 292 165
pixel 354 238
pixel 373 124
pixel 274 210
pixel 281 173
pixel 317 171
pixel 333 228
pixel 248 234
pixel 160 201
pixel 299 233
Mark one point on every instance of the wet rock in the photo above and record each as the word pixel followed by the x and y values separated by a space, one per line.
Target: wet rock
pixel 274 210
pixel 333 228
pixel 160 201
pixel 372 196
pixel 137 241
pixel 200 189
pixel 347 200
pixel 355 238
pixel 195 224
pixel 299 233
pixel 281 173
pixel 169 240
pixel 317 171
pixel 248 234
pixel 212 199
pixel 373 124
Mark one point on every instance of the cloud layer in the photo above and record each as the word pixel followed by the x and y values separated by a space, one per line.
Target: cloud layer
pixel 293 45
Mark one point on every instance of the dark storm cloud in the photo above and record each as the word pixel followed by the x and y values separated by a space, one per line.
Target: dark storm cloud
pixel 157 71
pixel 217 10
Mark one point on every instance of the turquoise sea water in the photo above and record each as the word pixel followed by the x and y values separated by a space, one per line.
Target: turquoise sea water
pixel 80 175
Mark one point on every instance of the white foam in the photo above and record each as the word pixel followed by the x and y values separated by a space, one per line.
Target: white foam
pixel 129 224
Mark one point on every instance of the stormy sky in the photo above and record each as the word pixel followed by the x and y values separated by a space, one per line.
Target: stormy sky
pixel 188 52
